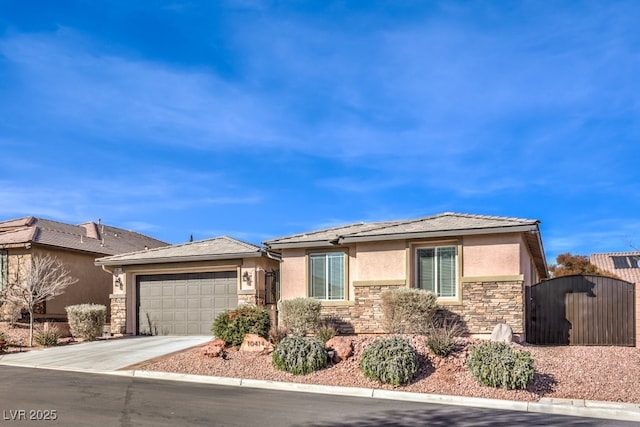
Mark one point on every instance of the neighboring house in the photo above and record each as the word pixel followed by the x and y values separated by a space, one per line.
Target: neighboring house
pixel 180 289
pixel 77 246
pixel 477 265
pixel 625 265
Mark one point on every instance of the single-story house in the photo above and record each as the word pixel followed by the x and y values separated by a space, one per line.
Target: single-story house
pixel 625 265
pixel 76 246
pixel 477 265
pixel 180 289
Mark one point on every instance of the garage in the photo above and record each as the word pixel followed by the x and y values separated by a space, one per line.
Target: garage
pixel 180 289
pixel 184 304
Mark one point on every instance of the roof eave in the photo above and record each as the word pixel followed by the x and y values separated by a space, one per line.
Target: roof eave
pixel 174 259
pixel 312 244
pixel 440 233
pixel 16 245
pixel 538 252
pixel 30 244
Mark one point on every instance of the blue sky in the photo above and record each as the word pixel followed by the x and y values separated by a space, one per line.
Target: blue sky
pixel 257 119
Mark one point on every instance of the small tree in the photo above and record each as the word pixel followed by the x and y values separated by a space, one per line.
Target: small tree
pixel 568 264
pixel 33 283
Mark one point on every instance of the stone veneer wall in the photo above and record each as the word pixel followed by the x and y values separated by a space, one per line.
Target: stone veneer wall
pixel 484 304
pixel 341 317
pixel 364 315
pixel 118 313
pixel 246 299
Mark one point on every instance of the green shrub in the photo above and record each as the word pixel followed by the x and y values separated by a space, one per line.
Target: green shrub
pixel 495 364
pixel 86 321
pixel 408 311
pixel 390 361
pixel 300 315
pixel 300 355
pixel 47 335
pixel 277 334
pixel 232 325
pixel 325 332
pixel 441 339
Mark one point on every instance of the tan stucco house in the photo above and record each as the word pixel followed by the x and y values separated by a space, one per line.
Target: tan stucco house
pixel 179 290
pixel 77 246
pixel 477 265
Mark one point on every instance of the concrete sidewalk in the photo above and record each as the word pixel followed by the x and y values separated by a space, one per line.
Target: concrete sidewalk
pixel 103 355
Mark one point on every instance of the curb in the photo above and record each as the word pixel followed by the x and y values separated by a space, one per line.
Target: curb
pixel 571 407
pixel 555 406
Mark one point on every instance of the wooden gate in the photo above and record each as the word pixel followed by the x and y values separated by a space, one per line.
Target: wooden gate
pixel 581 310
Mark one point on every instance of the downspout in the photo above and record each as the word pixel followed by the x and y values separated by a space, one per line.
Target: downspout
pixel 268 254
pixel 104 267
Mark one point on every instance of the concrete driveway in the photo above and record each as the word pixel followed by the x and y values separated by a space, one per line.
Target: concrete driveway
pixel 103 355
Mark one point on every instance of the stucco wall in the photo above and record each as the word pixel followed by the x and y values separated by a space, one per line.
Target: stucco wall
pixel 526 264
pixel 93 284
pixel 124 298
pixel 492 272
pixel 492 255
pixel 380 261
pixel 481 256
pixel 293 274
pixel 252 277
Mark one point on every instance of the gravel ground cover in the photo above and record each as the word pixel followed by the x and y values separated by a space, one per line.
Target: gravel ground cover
pixel 577 372
pixel 17 337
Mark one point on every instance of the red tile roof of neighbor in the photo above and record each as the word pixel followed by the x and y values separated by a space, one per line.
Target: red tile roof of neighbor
pixel 625 265
pixel 89 237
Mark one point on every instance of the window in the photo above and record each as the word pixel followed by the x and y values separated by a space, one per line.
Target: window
pixel 626 261
pixel 327 276
pixel 437 270
pixel 4 269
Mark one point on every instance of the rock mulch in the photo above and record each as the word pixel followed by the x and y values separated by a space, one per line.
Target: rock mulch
pixel 593 373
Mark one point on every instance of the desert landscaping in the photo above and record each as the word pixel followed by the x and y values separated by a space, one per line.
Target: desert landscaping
pixel 577 372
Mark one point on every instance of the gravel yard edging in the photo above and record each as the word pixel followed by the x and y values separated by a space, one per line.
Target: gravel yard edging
pixel 571 407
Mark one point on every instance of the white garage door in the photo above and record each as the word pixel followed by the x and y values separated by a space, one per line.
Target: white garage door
pixel 184 304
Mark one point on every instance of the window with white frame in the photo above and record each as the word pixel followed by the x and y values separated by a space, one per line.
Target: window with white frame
pixel 437 270
pixel 327 276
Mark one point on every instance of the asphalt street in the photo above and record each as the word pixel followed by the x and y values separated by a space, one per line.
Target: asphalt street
pixel 36 396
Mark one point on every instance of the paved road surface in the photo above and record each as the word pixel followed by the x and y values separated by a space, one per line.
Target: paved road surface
pixel 82 399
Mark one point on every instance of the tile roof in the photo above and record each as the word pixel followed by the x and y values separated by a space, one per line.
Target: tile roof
pixel 88 237
pixel 222 247
pixel 448 222
pixel 622 264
